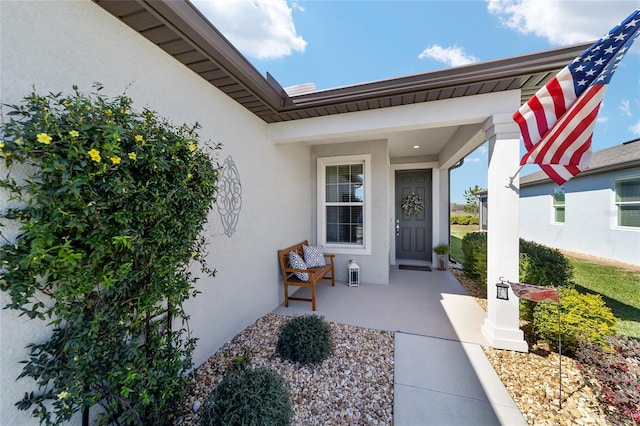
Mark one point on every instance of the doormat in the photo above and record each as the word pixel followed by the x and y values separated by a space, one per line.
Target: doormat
pixel 415 267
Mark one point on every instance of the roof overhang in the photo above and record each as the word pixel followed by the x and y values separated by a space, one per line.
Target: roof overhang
pixel 177 27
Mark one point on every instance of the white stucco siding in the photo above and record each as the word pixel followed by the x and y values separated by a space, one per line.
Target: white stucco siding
pixel 374 268
pixel 53 45
pixel 590 225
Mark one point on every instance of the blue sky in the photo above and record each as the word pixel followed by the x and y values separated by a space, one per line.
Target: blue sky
pixel 338 43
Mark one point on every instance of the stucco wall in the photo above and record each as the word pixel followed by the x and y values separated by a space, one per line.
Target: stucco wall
pixel 590 225
pixel 54 45
pixel 374 268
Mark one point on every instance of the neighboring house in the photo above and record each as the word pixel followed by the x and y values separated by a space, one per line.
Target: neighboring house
pixel 596 212
pixel 293 155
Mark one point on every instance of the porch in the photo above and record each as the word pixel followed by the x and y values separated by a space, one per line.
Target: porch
pixel 441 373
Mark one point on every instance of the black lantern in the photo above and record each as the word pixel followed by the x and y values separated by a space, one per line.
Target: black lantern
pixel 503 291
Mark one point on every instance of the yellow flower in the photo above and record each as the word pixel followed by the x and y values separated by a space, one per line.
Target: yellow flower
pixel 121 322
pixel 189 175
pixel 95 155
pixel 115 159
pixel 139 138
pixel 44 138
pixel 192 147
pixel 74 133
pixel 109 112
pixel 63 395
pixel 1 144
pixel 133 156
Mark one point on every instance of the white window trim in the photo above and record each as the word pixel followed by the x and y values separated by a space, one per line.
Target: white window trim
pixel 365 248
pixel 616 203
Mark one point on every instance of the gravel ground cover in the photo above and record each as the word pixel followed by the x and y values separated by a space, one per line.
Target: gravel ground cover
pixel 532 379
pixel 354 386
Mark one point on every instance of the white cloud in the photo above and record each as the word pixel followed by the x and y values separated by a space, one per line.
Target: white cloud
pixel 562 22
pixel 261 29
pixel 472 160
pixel 635 129
pixel 452 56
pixel 625 107
pixel 602 119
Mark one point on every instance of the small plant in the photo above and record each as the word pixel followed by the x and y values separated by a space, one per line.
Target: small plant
pixel 441 249
pixel 251 397
pixel 240 361
pixel 305 340
pixel 617 370
pixel 583 316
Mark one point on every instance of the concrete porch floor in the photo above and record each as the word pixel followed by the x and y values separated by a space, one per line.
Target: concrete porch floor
pixel 442 376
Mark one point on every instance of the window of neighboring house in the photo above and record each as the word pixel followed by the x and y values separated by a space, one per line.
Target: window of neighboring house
pixel 344 204
pixel 558 205
pixel 628 202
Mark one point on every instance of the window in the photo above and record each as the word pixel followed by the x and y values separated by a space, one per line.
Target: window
pixel 558 205
pixel 344 204
pixel 628 202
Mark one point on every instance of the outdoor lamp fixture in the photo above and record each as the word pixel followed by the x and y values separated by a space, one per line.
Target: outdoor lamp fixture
pixel 354 274
pixel 503 290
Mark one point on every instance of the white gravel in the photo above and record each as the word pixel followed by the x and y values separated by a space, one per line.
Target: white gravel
pixel 354 386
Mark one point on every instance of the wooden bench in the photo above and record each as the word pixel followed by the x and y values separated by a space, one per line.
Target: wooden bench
pixel 315 274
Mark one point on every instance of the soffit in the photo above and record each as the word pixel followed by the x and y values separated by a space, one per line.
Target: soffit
pixel 178 28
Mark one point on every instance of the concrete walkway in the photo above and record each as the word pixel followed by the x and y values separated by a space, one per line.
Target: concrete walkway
pixel 442 376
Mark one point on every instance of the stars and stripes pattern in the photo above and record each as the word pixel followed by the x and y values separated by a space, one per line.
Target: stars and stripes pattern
pixel 557 122
pixel 535 293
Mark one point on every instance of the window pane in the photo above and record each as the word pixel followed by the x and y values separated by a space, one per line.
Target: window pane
pixel 628 190
pixel 559 214
pixel 558 197
pixel 332 193
pixel 332 175
pixel 629 215
pixel 344 224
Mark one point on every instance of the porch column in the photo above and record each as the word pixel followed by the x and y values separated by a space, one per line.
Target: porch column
pixel 501 327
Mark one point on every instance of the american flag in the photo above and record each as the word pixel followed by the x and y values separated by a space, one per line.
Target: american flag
pixel 557 122
pixel 535 293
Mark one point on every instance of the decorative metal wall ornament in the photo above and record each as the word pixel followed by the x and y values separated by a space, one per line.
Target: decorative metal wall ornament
pixel 412 204
pixel 229 200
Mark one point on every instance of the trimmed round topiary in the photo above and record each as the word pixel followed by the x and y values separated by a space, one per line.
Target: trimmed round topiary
pixel 305 340
pixel 251 397
pixel 583 316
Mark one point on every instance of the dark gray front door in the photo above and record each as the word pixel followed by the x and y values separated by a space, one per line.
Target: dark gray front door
pixel 413 232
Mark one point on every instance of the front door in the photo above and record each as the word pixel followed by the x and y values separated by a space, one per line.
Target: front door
pixel 413 231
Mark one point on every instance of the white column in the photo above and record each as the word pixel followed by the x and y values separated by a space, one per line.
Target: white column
pixel 501 327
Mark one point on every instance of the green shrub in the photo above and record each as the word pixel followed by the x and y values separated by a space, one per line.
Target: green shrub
pixel 464 220
pixel 305 339
pixel 543 265
pixel 583 316
pixel 474 247
pixel 111 203
pixel 251 397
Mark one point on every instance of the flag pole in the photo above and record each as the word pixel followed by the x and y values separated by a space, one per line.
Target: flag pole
pixel 560 350
pixel 512 178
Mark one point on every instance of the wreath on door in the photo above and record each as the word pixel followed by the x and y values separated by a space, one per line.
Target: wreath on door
pixel 412 204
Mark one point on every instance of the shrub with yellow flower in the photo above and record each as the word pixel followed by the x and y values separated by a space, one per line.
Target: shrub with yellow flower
pixel 95 155
pixel 44 138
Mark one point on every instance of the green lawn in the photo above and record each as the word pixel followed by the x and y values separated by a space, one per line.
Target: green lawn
pixel 620 290
pixel 457 233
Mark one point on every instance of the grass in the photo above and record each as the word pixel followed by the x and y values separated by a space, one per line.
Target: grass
pixel 619 288
pixel 457 233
